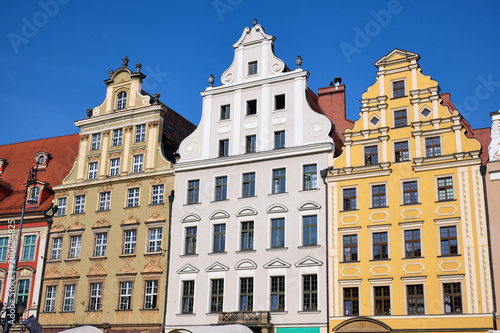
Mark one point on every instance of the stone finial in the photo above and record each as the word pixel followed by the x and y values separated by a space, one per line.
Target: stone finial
pixel 138 67
pixel 89 113
pixel 211 80
pixel 298 61
pixel 254 22
pixel 125 61
pixel 111 73
pixel 156 98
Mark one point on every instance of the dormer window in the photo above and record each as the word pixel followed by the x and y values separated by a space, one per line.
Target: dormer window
pixel 122 101
pixel 41 159
pixel 3 164
pixel 34 196
pixel 252 68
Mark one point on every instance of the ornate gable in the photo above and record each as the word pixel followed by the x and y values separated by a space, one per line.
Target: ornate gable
pixel 217 267
pixel 309 261
pixel 277 263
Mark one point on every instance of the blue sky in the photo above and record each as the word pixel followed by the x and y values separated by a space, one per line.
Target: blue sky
pixel 55 54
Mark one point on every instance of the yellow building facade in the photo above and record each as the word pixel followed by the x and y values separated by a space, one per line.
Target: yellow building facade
pixel 408 246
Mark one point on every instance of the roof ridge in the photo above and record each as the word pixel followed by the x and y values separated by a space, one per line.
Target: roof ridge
pixel 52 137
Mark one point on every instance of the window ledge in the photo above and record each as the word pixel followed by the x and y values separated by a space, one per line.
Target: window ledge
pixel 399 97
pixel 279 312
pixel 449 255
pixel 217 253
pixel 67 311
pixel 54 260
pixel 379 207
pixel 448 200
pixel 312 246
pixel 221 200
pixel 129 207
pixel 103 210
pixel 250 196
pixel 123 310
pixel 350 262
pixel 127 255
pixel 311 189
pixel 410 258
pixel 282 248
pixel 185 314
pixel 98 258
pixel 308 311
pixel 246 251
pixel 72 259
pixel 396 127
pixel 411 204
pixel 350 210
pixel 378 260
pixel 192 203
pixel 146 254
pixel 77 214
pixel 189 255
pixel 156 204
pixel 278 193
pixel 155 309
pixel 404 161
pixel 93 311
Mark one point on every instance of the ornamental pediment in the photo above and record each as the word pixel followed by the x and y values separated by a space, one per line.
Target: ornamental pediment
pixel 246 264
pixel 217 267
pixel 219 214
pixel 309 261
pixel 186 269
pixel 277 263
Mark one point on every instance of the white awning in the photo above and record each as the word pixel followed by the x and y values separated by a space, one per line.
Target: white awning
pixel 214 329
pixel 83 329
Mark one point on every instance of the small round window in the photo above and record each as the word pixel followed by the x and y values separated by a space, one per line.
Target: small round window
pixel 40 160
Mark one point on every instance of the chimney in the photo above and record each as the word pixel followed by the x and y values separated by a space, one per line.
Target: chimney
pixel 332 101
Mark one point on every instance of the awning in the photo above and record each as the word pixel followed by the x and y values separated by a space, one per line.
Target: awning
pixel 214 329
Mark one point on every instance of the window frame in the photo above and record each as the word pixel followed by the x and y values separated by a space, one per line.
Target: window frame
pixel 220 188
pixel 68 302
pixel 404 181
pixel 253 68
pixel 378 195
pixel 396 118
pixel 75 248
pixel 79 204
pixel 369 155
pixel 278 290
pixel 225 112
pixel 95 296
pixel 140 133
pixel 251 107
pixel 354 299
pixel 342 198
pixel 151 297
pixel 193 192
pixel 133 196
pixel 405 226
pixel 114 170
pixel 251 235
pixel 95 142
pixel 117 137
pixel 349 283
pixel 100 244
pixel 395 151
pixel 223 148
pixel 311 294
pixel 219 238
pixel 251 185
pixel 129 244
pixel 216 295
pixel 250 144
pixel 382 298
pixel 354 231
pixel 278 233
pixel 4 248
pixel 155 244
pixel 392 82
pixel 31 246
pixel 190 240
pixel 58 250
pixel 121 100
pixel 437 188
pixel 279 139
pixel 104 201
pixel 281 179
pixel 278 103
pixel 313 177
pixel 248 292
pixel 125 299
pixel 445 279
pixel 157 194
pixel 25 295
pixel 138 163
pixel 380 229
pixel 92 174
pixel 433 145
pixel 313 230
pixel 49 305
pixel 61 208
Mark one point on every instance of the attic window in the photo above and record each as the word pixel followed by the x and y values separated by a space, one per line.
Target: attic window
pixel 40 160
pixel 122 101
pixel 426 112
pixel 34 196
pixel 252 68
pixel 374 121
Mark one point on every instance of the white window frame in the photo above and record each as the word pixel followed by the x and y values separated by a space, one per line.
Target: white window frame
pixel 114 166
pixel 96 141
pixel 97 295
pixel 377 229
pixel 57 250
pixel 92 170
pixel 129 287
pixel 196 191
pixel 184 235
pixel 272 179
pixel 407 89
pixel 151 294
pixel 133 196
pixel 140 133
pixel 341 189
pixel 394 150
pixel 448 222
pixel 121 100
pixel 155 240
pixel 386 194
pixel 436 190
pixel 69 300
pixel 349 284
pixel 138 161
pixel 157 194
pixel 117 137
pixel 104 201
pixel 402 197
pixel 411 226
pixel 76 247
pixel 79 204
pixel 50 302
pixel 215 187
pixel 347 232
pixel 453 279
pixel 413 281
pixel 61 206
pixel 132 242
pixel 101 243
pixel 303 175
pixel 256 62
pixel 254 184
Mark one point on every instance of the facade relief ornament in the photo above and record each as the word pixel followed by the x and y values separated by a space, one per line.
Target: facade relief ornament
pixel 71 273
pixel 138 150
pixel 126 270
pixel 52 273
pixel 152 267
pixel 94 158
pixel 57 228
pixel 105 133
pixel 84 137
pixel 25 272
pixel 105 188
pixel 157 180
pixel 115 154
pixel 97 269
pixel 62 194
pixel 80 191
pixel 101 224
pixel 76 226
pixel 156 218
pixel 130 220
pixel 128 129
pixel 494 147
pixel 153 124
pixel 134 183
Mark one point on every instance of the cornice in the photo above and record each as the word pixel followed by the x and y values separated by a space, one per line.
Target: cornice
pixel 448 164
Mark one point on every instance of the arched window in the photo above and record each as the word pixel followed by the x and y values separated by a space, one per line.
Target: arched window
pixel 122 100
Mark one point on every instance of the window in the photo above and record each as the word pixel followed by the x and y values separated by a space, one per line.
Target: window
pixel 191 234
pixel 247 230
pixel 217 295
pixel 157 197
pixel 122 101
pixel 101 241
pixel 401 152
pixel 246 294
pixel 219 238
pixel 380 248
pixel 114 167
pixel 220 188
pixel 50 299
pixel 351 301
pixel 55 253
pixel 310 181
pixel 277 233
pixel 378 196
pixel 310 225
pixel 251 107
pixel 279 102
pixel 350 248
pixel 410 192
pixel 398 89
pixel 371 155
pixel 193 191
pixel 92 170
pixel 151 294
pixel 445 188
pixel 75 245
pixel 138 159
pixel 23 291
pixel 277 293
pixel 452 293
pixel 96 141
pixel 425 112
pixel 433 146
pixel 125 295
pixel 129 241
pixel 34 195
pixel 140 133
pixel 449 244
pixel 415 299
pixel 79 204
pixel 349 198
pixel 117 137
pixel 223 147
pixel 95 296
pixel 382 298
pixel 412 243
pixel 104 200
pixel 249 184
pixel 187 296
pixel 61 206
pixel 251 144
pixel 133 197
pixel 279 180
pixel 69 297
pixel 225 112
pixel 252 68
pixel 4 243
pixel 310 292
pixel 400 119
pixel 279 139
pixel 155 236
pixel 29 247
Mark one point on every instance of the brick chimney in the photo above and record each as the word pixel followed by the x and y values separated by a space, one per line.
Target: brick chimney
pixel 332 101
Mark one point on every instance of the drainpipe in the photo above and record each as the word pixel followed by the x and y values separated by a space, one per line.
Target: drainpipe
pixel 324 174
pixel 170 204
pixel 40 293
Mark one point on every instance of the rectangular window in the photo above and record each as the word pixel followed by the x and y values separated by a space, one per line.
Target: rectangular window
pixel 140 133
pixel 380 249
pixel 349 196
pixel 310 292
pixel 138 160
pixel 433 146
pixel 104 200
pixel 50 299
pixel 101 241
pixel 117 137
pixel 449 244
pixel 129 241
pixel 279 102
pixel 157 197
pixel 79 204
pixel 187 296
pixel 398 89
pixel 279 139
pixel 452 293
pixel 125 295
pixel 350 248
pixel 279 180
pixel 220 188
pixel 310 234
pixel 23 291
pixel 114 167
pixel 96 141
pixel 225 112
pixel 371 155
pixel 34 195
pixel 351 301
pixel 251 144
pixel 277 233
pixel 412 243
pixel 155 236
pixel 400 118
pixel 224 148
pixel 29 247
pixel 75 245
pixel 193 191
pixel 61 206
pixel 217 295
pixel 133 197
pixel 247 230
pixel 95 301
pixel 415 299
pixel 69 297
pixel 246 294
pixel 410 192
pixel 401 152
pixel 55 253
pixel 219 238
pixel 251 107
pixel 252 68
pixel 378 196
pixel 191 235
pixel 151 294
pixel 277 293
pixel 4 243
pixel 310 181
pixel 445 188
pixel 382 298
pixel 92 170
pixel 249 184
